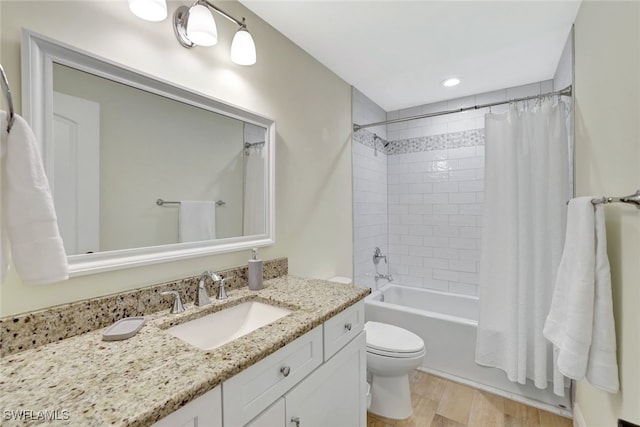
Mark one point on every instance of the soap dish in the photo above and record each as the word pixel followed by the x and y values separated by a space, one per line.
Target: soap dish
pixel 123 329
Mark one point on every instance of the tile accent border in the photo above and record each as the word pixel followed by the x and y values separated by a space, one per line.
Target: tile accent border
pixel 34 329
pixel 467 138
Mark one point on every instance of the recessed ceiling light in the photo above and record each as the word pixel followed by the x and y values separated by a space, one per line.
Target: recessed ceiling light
pixel 450 82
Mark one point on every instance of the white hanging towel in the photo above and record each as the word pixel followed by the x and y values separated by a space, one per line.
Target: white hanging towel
pixel 29 223
pixel 580 323
pixel 197 221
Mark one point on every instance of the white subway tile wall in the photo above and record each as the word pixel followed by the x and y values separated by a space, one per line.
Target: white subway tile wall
pixel 433 170
pixel 370 219
pixel 436 242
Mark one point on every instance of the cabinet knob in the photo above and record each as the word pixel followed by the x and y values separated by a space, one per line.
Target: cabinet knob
pixel 296 421
pixel 347 326
pixel 285 370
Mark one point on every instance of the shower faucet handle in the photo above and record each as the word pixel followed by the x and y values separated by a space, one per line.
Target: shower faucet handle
pixel 377 255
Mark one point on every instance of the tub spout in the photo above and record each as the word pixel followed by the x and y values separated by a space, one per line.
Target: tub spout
pixel 387 277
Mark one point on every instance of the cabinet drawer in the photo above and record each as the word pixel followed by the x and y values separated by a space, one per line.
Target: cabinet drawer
pixel 342 328
pixel 254 389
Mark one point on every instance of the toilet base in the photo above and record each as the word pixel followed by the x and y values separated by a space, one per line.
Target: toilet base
pixel 391 397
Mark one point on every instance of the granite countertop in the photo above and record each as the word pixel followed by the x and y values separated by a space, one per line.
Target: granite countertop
pixel 86 381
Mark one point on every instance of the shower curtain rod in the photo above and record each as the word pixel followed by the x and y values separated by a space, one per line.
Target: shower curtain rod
pixel 564 92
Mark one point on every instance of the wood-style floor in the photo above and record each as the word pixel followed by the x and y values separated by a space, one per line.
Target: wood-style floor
pixel 442 403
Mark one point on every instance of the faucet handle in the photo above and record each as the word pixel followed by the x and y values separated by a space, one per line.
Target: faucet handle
pixel 177 302
pixel 377 254
pixel 222 292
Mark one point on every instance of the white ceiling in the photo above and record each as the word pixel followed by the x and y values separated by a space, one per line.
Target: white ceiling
pixel 398 52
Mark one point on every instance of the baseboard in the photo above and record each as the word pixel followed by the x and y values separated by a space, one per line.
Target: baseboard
pixel 578 418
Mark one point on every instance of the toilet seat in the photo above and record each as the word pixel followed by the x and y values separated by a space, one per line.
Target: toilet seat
pixel 392 341
pixel 395 355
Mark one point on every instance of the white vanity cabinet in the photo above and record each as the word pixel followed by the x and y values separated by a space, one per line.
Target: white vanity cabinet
pixel 251 391
pixel 331 393
pixel 205 410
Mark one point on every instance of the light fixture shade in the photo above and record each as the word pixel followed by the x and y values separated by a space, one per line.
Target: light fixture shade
pixel 243 49
pixel 149 10
pixel 201 27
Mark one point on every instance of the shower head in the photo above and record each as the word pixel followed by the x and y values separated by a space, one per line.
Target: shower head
pixel 376 137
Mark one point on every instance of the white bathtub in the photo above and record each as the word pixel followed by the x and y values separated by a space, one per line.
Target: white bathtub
pixel 447 323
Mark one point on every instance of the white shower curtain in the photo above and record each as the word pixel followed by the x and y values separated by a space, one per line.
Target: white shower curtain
pixel 526 190
pixel 254 190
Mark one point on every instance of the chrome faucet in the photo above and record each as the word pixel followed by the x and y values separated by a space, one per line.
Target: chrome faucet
pixel 387 277
pixel 377 256
pixel 202 298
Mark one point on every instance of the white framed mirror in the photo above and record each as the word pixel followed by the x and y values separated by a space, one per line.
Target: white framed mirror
pixel 142 170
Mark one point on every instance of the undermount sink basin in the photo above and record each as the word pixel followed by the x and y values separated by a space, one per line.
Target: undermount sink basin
pixel 213 330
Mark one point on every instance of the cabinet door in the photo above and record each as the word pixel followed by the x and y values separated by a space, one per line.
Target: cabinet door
pixel 273 416
pixel 206 410
pixel 333 395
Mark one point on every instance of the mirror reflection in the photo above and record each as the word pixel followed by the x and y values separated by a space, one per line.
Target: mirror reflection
pixel 117 149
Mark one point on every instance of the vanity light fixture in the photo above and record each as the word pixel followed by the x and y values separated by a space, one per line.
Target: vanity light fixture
pixel 450 82
pixel 149 10
pixel 194 26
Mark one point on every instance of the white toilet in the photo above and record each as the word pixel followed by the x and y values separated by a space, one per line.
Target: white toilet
pixel 392 353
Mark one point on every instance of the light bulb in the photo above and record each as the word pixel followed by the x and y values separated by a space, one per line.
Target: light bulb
pixel 149 10
pixel 201 27
pixel 243 49
pixel 450 82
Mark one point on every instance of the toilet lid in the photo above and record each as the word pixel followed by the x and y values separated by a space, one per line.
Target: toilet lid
pixel 392 339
